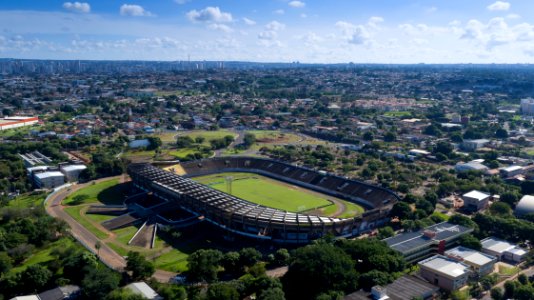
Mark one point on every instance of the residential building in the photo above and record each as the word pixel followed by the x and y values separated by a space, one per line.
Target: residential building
pixel 474 145
pixel 511 171
pixel 476 200
pixel 527 106
pixel 470 166
pixel 421 244
pixel 444 272
pixel 504 250
pixel 481 264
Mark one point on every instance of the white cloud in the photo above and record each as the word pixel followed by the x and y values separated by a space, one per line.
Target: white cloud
pixel 134 10
pixel 497 33
pixel 279 12
pixel 79 7
pixel 182 1
pixel 221 27
pixel 354 34
pixel 296 4
pixel 209 14
pixel 513 16
pixel 275 26
pixel 499 6
pixel 268 35
pixel 249 21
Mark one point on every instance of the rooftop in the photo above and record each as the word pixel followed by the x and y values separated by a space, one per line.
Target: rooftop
pixel 470 255
pixel 141 288
pixel 406 242
pixel 497 245
pixel 49 174
pixel 476 195
pixel 445 265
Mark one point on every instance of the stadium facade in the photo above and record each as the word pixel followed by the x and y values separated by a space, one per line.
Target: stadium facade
pixel 252 220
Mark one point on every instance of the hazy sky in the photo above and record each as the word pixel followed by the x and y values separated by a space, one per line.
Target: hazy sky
pixel 360 31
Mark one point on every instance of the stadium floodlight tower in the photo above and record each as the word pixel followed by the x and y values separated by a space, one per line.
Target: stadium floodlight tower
pixel 229 180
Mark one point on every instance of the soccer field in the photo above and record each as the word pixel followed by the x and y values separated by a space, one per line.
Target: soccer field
pixel 280 195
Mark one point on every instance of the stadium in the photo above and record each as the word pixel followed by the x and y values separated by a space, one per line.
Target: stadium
pixel 248 218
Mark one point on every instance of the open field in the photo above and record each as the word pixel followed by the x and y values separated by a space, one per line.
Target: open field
pixel 43 255
pixel 108 192
pixel 280 195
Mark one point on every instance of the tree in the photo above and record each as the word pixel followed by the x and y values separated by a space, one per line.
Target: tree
pixel 385 232
pixel 471 242
pixel 249 140
pixel 200 139
pixel 155 143
pixel 497 294
pixel 390 137
pixel 501 209
pixel 432 130
pixel 204 265
pixel 319 268
pixel 401 210
pixel 36 277
pixel 98 283
pixel 501 133
pixel 281 257
pixel 374 277
pixel 510 198
pixel 219 291
pixel 368 136
pixel 123 294
pixel 249 256
pixel 184 142
pixel 462 220
pixel 6 263
pixel 272 294
pixel 230 262
pixel 139 266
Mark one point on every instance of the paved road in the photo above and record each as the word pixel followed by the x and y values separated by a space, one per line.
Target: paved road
pixel 109 257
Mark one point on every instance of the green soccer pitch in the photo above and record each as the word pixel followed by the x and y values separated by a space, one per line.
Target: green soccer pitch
pixel 280 195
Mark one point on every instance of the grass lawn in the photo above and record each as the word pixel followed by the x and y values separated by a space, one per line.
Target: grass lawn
pixel 508 271
pixel 75 212
pixel 351 210
pixel 125 234
pixel 398 114
pixel 173 261
pixel 267 192
pixel 107 192
pixel 182 153
pixel 99 218
pixel 208 135
pixel 28 200
pixel 442 215
pixel 43 255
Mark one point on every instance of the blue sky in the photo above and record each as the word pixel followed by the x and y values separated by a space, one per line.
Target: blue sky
pixel 360 31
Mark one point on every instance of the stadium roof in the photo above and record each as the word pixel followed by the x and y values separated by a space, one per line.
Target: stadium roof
pixel 407 242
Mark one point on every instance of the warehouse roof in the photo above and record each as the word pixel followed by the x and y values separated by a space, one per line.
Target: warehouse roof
pixel 49 174
pixel 445 266
pixel 476 195
pixel 469 255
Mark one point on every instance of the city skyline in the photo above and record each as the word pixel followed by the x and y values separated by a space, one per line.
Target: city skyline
pixel 270 31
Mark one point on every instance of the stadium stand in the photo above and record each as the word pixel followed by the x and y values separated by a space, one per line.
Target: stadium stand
pixel 248 219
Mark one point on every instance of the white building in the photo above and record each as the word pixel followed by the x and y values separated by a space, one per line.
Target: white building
pixel 49 179
pixel 525 206
pixel 511 171
pixel 481 263
pixel 444 272
pixel 72 172
pixel 503 250
pixel 476 200
pixel 15 122
pixel 527 106
pixel 474 145
pixel 143 289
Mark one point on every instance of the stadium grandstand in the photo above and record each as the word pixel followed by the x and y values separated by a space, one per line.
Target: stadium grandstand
pixel 248 219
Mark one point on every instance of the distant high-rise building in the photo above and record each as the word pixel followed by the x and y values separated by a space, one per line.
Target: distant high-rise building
pixel 527 106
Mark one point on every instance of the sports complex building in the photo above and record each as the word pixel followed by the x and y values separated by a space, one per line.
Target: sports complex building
pixel 245 218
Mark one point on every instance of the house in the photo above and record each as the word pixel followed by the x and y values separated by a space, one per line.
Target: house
pixel 503 250
pixel 444 272
pixel 143 289
pixel 511 171
pixel 481 264
pixel 474 145
pixel 476 200
pixel 470 166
